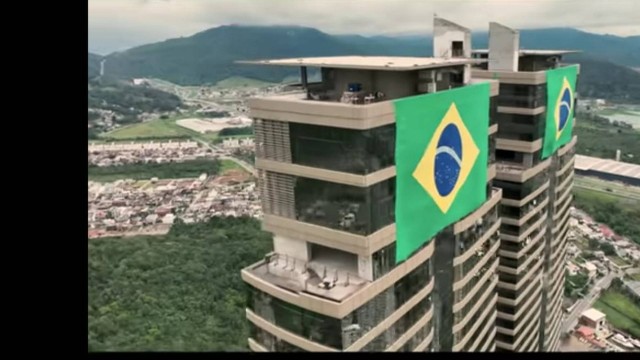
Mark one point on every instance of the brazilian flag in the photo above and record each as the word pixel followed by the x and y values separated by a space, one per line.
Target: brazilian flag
pixel 561 89
pixel 441 162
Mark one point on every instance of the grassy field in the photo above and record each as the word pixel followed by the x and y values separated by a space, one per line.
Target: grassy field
pixel 227 165
pixel 616 189
pixel 187 169
pixel 605 196
pixel 160 128
pixel 634 277
pixel 618 260
pixel 621 311
pixel 620 213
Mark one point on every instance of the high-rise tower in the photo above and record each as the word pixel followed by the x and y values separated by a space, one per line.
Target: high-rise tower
pixel 535 150
pixel 376 182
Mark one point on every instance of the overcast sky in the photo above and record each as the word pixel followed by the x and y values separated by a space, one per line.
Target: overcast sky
pixel 119 24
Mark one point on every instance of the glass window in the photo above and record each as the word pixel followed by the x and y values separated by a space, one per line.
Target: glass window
pixel 393 333
pixel 271 342
pixel 347 150
pixel 457 337
pixel 384 260
pixel 521 127
pixel 519 191
pixel 468 237
pixel 524 96
pixel 348 208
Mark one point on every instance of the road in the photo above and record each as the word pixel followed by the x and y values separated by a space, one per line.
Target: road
pixel 245 165
pixel 585 303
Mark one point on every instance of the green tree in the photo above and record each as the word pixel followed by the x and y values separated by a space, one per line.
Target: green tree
pixel 177 292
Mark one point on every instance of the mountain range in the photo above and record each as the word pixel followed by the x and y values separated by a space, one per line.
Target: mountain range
pixel 208 57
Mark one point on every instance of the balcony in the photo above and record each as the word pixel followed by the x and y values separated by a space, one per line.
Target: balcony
pixel 518 172
pixel 330 289
pixel 515 77
pixel 332 281
pixel 519 216
pixel 520 233
pixel 295 107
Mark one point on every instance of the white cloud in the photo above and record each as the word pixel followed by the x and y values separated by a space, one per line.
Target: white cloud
pixel 117 24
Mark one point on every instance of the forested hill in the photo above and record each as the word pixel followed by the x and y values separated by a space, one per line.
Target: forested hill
pixel 208 56
pixel 94 65
pixel 177 292
pixel 602 79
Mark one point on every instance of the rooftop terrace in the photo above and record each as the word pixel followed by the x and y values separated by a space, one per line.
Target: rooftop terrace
pixel 331 281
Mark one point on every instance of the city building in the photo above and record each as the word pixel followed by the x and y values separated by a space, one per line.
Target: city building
pixel 594 319
pixel 535 173
pixel 608 169
pixel 327 176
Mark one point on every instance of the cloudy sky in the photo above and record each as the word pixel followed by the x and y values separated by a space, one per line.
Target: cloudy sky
pixel 120 24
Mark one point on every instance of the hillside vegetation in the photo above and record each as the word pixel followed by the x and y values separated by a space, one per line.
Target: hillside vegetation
pixel 94 65
pixel 599 138
pixel 177 292
pixel 604 80
pixel 128 101
pixel 621 215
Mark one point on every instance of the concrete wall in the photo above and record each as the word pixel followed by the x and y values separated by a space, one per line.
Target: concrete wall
pixel 396 84
pixel 444 34
pixel 365 267
pixel 343 77
pixel 291 247
pixel 504 47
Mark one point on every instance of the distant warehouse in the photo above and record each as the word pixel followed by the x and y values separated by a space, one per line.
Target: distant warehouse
pixel 608 169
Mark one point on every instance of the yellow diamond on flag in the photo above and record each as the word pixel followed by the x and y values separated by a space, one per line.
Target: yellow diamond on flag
pixel 447 160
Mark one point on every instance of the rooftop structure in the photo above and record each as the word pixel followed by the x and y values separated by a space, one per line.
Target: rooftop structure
pixel 593 315
pixel 608 169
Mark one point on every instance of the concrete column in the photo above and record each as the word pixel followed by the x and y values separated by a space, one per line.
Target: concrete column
pixel 504 47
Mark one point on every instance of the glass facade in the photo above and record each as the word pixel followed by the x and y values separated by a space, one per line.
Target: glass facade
pixel 384 260
pixel 353 151
pixel 515 263
pixel 334 332
pixel 460 294
pixel 457 317
pixel 348 208
pixel 512 310
pixel 517 212
pixel 517 230
pixel 519 191
pixel 270 342
pixel 567 157
pixel 418 338
pixel 459 336
pixel 391 335
pixel 521 127
pixel 468 237
pixel 522 96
